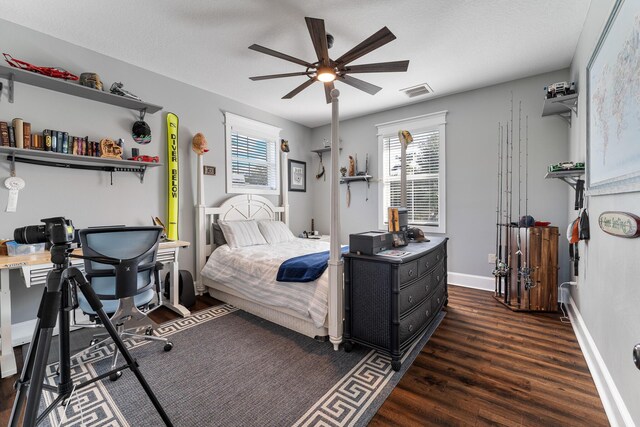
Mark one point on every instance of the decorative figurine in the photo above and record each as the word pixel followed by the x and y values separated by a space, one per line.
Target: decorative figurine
pixel 109 149
pixel 343 171
pixel 352 166
pixel 116 89
pixel 199 144
pixel 284 146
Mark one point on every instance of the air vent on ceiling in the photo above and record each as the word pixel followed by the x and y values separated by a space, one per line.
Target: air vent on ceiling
pixel 419 90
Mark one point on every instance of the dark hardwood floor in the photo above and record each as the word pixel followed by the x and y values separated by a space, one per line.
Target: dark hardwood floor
pixel 484 365
pixel 487 365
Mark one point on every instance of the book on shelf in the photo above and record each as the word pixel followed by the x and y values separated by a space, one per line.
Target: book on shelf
pixel 26 134
pixel 4 134
pixel 12 136
pixel 18 130
pixel 46 134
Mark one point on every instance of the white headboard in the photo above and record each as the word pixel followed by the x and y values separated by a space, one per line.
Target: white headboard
pixel 244 206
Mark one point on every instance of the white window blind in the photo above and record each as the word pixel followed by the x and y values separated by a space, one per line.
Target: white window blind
pixel 422 177
pixel 252 156
pixel 425 170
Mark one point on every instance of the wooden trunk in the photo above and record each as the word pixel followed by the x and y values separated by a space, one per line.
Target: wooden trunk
pixel 539 251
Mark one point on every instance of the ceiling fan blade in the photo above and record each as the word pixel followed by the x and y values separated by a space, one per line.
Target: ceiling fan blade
pixel 360 84
pixel 328 87
pixel 277 76
pixel 299 89
pixel 280 55
pixel 380 38
pixel 379 67
pixel 319 39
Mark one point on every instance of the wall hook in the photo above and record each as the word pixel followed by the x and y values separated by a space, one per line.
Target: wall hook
pixel 143 112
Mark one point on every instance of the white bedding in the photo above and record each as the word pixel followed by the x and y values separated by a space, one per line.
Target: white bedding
pixel 252 271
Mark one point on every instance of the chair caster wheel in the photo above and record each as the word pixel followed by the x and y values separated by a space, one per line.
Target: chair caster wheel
pixel 148 331
pixel 348 346
pixel 168 346
pixel 93 342
pixel 395 365
pixel 114 377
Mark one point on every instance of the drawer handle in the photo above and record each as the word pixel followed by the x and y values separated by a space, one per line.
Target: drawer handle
pixel 426 288
pixel 426 264
pixel 438 256
pixel 427 313
pixel 438 278
pixel 410 272
pixel 438 300
pixel 410 299
pixel 410 328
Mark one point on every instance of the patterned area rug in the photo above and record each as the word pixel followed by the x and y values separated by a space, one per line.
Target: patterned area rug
pixel 229 368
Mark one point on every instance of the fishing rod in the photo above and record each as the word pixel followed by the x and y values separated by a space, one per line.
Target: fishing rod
pixel 519 237
pixel 498 271
pixel 526 271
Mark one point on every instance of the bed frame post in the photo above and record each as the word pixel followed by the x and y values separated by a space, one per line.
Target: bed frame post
pixel 285 187
pixel 336 292
pixel 201 232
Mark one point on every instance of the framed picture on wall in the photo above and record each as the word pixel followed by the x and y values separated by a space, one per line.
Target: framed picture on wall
pixel 613 104
pixel 297 175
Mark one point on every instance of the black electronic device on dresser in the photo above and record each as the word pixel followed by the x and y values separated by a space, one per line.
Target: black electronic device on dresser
pixel 390 301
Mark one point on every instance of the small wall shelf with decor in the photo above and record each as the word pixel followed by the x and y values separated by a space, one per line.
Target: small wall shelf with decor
pixel 321 151
pixel 570 176
pixel 13 74
pixel 349 179
pixel 70 161
pixel 561 106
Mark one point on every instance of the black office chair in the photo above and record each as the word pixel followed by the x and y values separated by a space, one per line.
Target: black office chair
pixel 124 274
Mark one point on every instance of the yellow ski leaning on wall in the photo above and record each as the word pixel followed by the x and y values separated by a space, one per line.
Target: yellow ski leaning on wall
pixel 172 175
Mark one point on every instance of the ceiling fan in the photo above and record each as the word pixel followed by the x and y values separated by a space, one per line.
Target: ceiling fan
pixel 327 70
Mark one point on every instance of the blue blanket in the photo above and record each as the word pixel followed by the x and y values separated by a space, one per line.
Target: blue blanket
pixel 305 268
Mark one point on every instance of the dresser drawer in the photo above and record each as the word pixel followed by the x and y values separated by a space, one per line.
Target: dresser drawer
pixel 430 260
pixel 414 293
pixel 437 300
pixel 408 272
pixel 415 320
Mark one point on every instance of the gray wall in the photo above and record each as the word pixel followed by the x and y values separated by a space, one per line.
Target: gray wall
pixel 471 162
pixel 87 196
pixel 607 294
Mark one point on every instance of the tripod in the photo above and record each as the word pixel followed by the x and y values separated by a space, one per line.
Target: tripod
pixel 56 303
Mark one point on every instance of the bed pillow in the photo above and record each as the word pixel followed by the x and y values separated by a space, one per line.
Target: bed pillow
pixel 239 234
pixel 275 231
pixel 218 235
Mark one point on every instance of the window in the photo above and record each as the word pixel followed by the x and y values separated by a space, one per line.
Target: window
pixel 252 156
pixel 425 170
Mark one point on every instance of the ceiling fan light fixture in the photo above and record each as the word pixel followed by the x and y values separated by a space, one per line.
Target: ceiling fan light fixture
pixel 326 74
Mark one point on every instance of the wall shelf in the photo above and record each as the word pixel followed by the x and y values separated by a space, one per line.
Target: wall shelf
pixel 561 106
pixel 321 151
pixel 569 176
pixel 13 74
pixel 349 179
pixel 70 161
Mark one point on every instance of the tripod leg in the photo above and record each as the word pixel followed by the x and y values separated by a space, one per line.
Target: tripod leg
pixel 95 303
pixel 35 388
pixel 22 385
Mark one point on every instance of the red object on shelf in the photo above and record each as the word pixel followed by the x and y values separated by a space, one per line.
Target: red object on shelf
pixel 542 223
pixel 147 159
pixel 57 73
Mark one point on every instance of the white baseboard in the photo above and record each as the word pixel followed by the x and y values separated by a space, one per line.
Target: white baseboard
pixel 614 406
pixel 471 281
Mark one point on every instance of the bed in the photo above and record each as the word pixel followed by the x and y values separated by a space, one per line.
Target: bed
pixel 228 274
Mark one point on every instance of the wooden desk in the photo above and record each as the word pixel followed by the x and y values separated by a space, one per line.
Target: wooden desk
pixel 34 269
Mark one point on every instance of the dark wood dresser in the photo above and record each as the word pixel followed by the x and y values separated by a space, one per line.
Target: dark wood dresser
pixel 390 301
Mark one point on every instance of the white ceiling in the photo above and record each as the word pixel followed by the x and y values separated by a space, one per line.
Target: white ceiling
pixel 453 45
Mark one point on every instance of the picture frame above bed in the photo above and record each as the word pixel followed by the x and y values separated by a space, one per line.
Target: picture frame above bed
pixel 297 171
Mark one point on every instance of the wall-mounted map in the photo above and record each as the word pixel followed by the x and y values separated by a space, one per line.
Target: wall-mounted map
pixel 614 101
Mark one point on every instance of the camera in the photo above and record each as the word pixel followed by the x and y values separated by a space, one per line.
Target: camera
pixel 56 230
